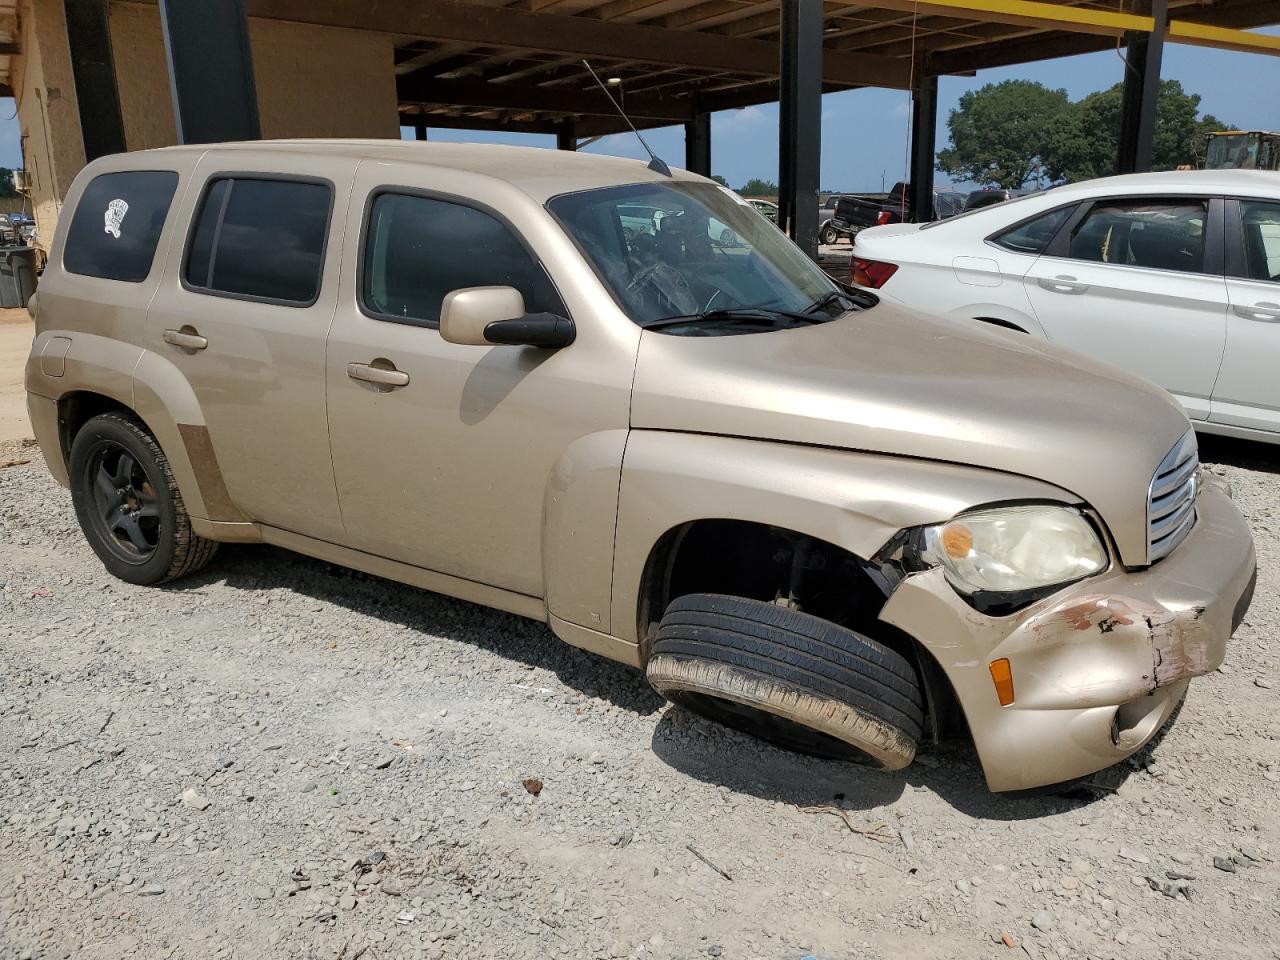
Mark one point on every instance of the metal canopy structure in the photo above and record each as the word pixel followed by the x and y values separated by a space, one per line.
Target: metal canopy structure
pixel 516 65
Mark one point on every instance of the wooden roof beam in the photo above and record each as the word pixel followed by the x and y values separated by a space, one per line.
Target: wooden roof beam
pixel 580 36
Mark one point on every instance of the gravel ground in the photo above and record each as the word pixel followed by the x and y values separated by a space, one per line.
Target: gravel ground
pixel 279 758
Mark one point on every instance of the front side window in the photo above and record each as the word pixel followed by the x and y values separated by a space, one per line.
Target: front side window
pixel 1261 223
pixel 1034 235
pixel 418 249
pixel 1160 234
pixel 710 266
pixel 117 224
pixel 260 239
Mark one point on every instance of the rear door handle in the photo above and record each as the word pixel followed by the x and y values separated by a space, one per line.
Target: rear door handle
pixel 1063 284
pixel 1265 312
pixel 384 375
pixel 186 338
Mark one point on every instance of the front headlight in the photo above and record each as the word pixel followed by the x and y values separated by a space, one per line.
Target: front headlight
pixel 1014 553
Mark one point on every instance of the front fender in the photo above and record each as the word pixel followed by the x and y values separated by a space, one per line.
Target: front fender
pixel 856 501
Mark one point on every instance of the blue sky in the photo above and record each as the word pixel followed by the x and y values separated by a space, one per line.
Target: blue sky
pixel 864 132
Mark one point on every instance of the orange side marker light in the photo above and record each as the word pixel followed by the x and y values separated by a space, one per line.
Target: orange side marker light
pixel 1002 676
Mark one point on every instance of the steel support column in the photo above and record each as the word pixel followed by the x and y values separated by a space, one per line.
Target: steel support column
pixel 566 135
pixel 420 128
pixel 1143 52
pixel 697 145
pixel 800 121
pixel 210 70
pixel 101 124
pixel 924 132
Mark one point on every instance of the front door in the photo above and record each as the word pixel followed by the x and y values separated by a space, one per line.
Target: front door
pixel 453 457
pixel 1248 390
pixel 243 313
pixel 1138 283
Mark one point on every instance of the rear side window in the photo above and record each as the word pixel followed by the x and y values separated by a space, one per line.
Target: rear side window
pixel 1162 235
pixel 1261 223
pixel 117 224
pixel 1034 235
pixel 417 249
pixel 260 239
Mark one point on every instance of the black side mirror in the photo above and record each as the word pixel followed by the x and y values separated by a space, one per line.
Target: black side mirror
pixel 532 330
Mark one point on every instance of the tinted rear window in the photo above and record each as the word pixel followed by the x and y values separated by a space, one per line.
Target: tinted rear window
pixel 117 224
pixel 260 239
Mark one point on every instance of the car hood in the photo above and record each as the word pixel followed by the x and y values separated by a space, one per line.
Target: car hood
pixel 889 380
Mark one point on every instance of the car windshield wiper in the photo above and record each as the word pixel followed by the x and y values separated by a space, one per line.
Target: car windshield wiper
pixel 829 298
pixel 730 314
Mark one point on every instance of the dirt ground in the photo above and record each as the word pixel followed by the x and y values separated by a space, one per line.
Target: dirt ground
pixel 16 332
pixel 280 758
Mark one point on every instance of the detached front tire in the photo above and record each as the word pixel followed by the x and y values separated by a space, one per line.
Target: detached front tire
pixel 129 505
pixel 797 681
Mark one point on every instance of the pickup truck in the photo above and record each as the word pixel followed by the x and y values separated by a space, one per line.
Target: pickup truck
pixel 853 213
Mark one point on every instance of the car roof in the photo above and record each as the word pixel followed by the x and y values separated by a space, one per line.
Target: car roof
pixel 1263 182
pixel 541 172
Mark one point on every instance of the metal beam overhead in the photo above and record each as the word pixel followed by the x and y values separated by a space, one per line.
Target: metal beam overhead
pixel 1141 88
pixel 924 133
pixel 92 65
pixel 210 70
pixel 697 144
pixel 800 121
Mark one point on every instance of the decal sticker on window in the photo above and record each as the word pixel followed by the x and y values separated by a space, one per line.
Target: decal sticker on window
pixel 114 216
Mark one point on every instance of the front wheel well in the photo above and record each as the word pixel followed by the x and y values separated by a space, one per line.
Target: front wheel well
pixel 775 564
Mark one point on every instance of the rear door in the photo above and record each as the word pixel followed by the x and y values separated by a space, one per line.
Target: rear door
pixel 243 313
pixel 1247 393
pixel 1138 282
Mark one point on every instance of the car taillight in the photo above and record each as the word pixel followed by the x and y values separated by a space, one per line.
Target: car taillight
pixel 883 217
pixel 872 273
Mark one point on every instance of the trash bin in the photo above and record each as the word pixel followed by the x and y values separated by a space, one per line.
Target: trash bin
pixel 17 275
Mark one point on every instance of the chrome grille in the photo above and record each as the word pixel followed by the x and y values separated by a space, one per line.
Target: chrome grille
pixel 1171 499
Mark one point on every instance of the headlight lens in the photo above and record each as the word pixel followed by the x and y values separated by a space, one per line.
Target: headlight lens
pixel 1015 549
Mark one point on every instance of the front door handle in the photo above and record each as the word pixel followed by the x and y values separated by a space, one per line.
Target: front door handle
pixel 381 372
pixel 1266 312
pixel 1063 283
pixel 187 338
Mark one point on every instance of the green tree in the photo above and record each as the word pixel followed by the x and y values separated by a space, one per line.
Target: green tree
pixel 6 183
pixel 999 133
pixel 755 187
pixel 1085 144
pixel 719 179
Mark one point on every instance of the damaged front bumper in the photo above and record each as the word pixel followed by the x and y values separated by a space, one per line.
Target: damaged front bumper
pixel 1099 666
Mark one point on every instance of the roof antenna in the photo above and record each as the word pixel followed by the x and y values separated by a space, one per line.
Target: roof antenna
pixel 655 164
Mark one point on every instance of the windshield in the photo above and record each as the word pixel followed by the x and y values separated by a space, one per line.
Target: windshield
pixel 673 252
pixel 1233 151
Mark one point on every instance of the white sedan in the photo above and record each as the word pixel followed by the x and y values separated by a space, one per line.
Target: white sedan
pixel 1172 276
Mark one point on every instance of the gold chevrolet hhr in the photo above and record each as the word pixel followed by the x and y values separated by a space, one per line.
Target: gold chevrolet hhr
pixel 620 401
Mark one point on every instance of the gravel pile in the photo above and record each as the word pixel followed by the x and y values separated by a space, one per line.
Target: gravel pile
pixel 280 758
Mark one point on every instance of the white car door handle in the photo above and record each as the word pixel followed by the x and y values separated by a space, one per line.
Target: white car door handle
pixel 1063 284
pixel 187 338
pixel 1265 312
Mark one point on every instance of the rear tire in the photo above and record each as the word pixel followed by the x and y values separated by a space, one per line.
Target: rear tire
pixel 829 236
pixel 129 505
pixel 790 678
